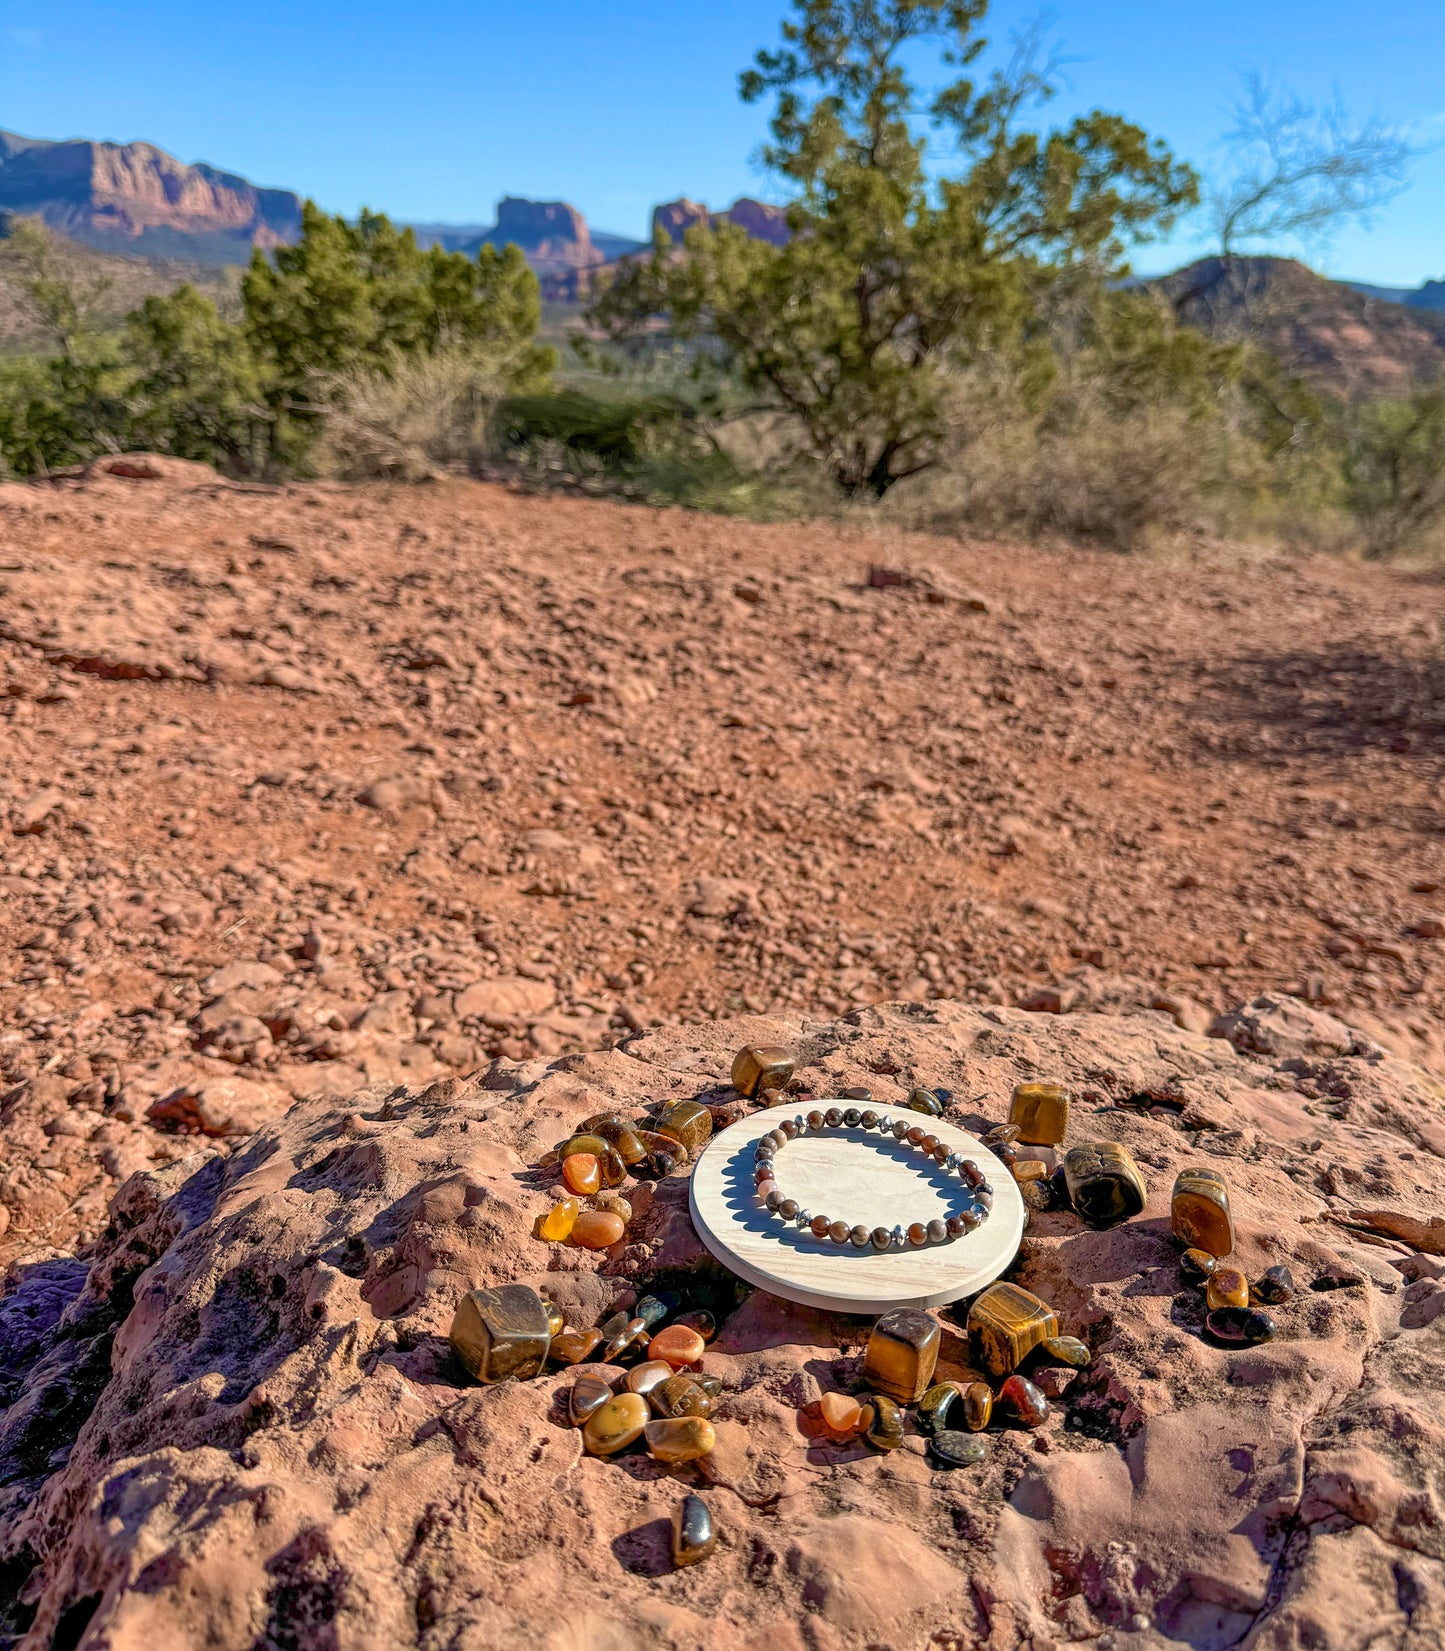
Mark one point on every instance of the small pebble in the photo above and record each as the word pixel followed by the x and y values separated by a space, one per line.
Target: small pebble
pixel 977 1406
pixel 586 1398
pixel 1226 1287
pixel 693 1537
pixel 679 1344
pixel 1065 1350
pixel 882 1422
pixel 1197 1265
pixel 842 1415
pixel 1276 1286
pixel 957 1450
pixel 1240 1326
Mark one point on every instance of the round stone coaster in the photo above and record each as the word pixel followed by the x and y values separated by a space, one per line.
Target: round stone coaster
pixel 852 1175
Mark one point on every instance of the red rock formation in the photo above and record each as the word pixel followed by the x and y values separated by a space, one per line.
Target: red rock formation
pixel 761 221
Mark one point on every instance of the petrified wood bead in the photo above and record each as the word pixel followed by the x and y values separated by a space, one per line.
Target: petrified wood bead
pixel 1005 1324
pixel 1276 1286
pixel 597 1229
pixel 586 1398
pixel 1105 1186
pixel 679 1438
pixel 679 1344
pixel 693 1537
pixel 1040 1113
pixel 1025 1401
pixel 977 1406
pixel 1199 1211
pixel 902 1354
pixel 1226 1287
pixel 679 1396
pixel 501 1334
pixel 757 1069
pixel 957 1450
pixel 617 1424
pixel 556 1223
pixel 882 1422
pixel 575 1346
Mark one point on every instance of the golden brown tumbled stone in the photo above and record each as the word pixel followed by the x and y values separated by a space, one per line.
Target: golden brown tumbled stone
pixel 614 1203
pixel 611 1171
pixel 759 1069
pixel 882 1422
pixel 1040 1113
pixel 575 1346
pixel 588 1396
pixel 1226 1287
pixel 687 1121
pixel 582 1172
pixel 679 1396
pixel 1199 1211
pixel 556 1320
pixel 616 1425
pixel 977 1406
pixel 597 1229
pixel 693 1536
pixel 1005 1324
pixel 902 1354
pixel 1105 1186
pixel 501 1334
pixel 680 1438
pixel 642 1378
pixel 1197 1265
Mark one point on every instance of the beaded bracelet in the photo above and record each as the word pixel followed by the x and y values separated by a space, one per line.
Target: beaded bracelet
pixel 940 1230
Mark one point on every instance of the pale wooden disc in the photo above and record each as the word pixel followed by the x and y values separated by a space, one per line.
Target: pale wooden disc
pixel 857 1176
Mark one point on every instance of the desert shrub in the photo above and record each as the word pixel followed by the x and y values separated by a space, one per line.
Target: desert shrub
pixel 1395 472
pixel 62 411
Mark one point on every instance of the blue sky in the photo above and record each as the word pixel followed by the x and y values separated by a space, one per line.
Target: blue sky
pixel 432 110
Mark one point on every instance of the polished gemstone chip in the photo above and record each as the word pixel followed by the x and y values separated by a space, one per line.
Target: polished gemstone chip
pixel 616 1424
pixel 556 1223
pixel 1240 1326
pixel 1065 1350
pixel 679 1438
pixel 689 1122
pixel 1199 1211
pixel 597 1229
pixel 957 1450
pixel 1276 1286
pixel 693 1536
pixel 882 1422
pixel 586 1398
pixel 679 1396
pixel 757 1069
pixel 1226 1287
pixel 1024 1401
pixel 977 1406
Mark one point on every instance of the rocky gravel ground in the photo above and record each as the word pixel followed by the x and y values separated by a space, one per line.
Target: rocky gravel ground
pixel 312 788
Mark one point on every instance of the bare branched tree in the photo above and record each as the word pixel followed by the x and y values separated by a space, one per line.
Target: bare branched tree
pixel 1299 169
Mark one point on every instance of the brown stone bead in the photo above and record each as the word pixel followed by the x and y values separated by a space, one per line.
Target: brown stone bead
pixel 1005 1324
pixel 1040 1113
pixel 970 1173
pixel 882 1422
pixel 757 1069
pixel 1007 1154
pixel 501 1334
pixel 815 1120
pixel 1226 1287
pixel 693 1536
pixel 914 1137
pixel 838 1232
pixel 788 1208
pixel 842 1415
pixel 1105 1186
pixel 977 1406
pixel 575 1346
pixel 679 1396
pixel 901 1126
pixel 597 1229
pixel 642 1378
pixel 767 1188
pixel 869 1120
pixel 1019 1395
pixel 833 1117
pixel 938 1230
pixel 1199 1211
pixel 616 1425
pixel 678 1344
pixel 679 1438
pixel 940 1152
pixel 819 1226
pixel 698 1319
pixel 860 1237
pixel 586 1398
pixel 1197 1265
pixel 917 1235
pixel 957 1226
pixel 582 1172
pixel 881 1237
pixel 927 1144
pixel 687 1121
pixel 902 1354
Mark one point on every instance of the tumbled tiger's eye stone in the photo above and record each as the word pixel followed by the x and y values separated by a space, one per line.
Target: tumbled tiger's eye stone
pixel 917 1235
pixel 925 1101
pixel 557 1223
pixel 687 1121
pixel 654 1308
pixel 1105 1186
pixel 711 1385
pixel 501 1334
pixel 977 1406
pixel 693 1537
pixel 957 1450
pixel 1199 1211
pixel 663 1146
pixel 1001 1133
pixel 1040 1113
pixel 593 1144
pixel 902 1354
pixel 819 1226
pixel 882 1422
pixel 1276 1286
pixel 757 1069
pixel 882 1237
pixel 556 1320
pixel 1226 1287
pixel 842 1415
pixel 679 1344
pixel 629 1340
pixel 642 1378
pixel 582 1172
pixel 575 1346
pixel 587 1397
pixel 679 1396
pixel 1019 1395
pixel 698 1319
pixel 679 1438
pixel 860 1237
pixel 616 1425
pixel 629 1148
pixel 1065 1350
pixel 838 1232
pixel 1005 1324
pixel 1197 1265
pixel 1240 1326
pixel 614 1203
pixel 597 1229
pixel 936 1403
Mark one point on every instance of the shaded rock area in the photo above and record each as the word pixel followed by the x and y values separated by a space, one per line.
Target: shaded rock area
pixel 242 1427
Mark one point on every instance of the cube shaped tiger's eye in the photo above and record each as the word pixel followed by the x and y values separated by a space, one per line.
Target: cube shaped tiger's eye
pixel 1005 1324
pixel 687 1121
pixel 902 1353
pixel 1199 1211
pixel 502 1334
pixel 758 1069
pixel 1105 1186
pixel 1040 1113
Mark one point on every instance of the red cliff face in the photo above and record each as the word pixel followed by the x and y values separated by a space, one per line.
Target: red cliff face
pixel 136 198
pixel 761 221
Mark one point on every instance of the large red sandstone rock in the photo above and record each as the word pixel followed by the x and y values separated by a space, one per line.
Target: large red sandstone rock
pixel 242 1428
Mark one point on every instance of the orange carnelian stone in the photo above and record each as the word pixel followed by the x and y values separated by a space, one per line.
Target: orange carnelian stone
pixel 842 1416
pixel 678 1344
pixel 596 1229
pixel 582 1172
pixel 558 1222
